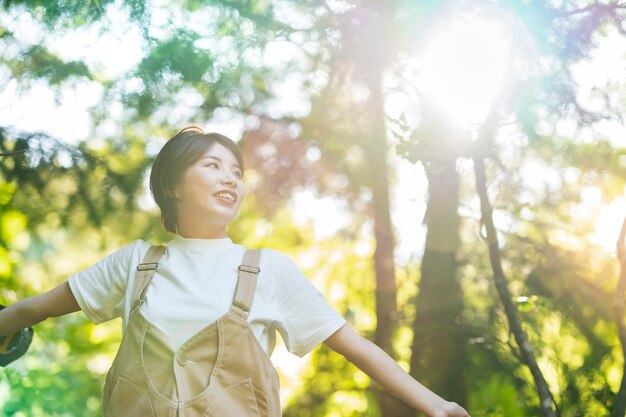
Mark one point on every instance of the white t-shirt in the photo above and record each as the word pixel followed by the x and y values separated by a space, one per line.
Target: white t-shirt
pixel 194 286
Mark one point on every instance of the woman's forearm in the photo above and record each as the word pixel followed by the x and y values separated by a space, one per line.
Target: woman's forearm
pixel 20 315
pixel 372 360
pixel 56 302
pixel 384 370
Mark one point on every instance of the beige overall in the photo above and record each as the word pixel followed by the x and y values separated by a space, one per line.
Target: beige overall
pixel 221 371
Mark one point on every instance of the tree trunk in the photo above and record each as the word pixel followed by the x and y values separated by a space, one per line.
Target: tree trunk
pixel 438 356
pixel 386 307
pixel 369 67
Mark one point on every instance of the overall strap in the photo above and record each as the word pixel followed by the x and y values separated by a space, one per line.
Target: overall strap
pixel 246 280
pixel 145 272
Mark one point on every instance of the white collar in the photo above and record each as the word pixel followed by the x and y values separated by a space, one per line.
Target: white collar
pixel 204 245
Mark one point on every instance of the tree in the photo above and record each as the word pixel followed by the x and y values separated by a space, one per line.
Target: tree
pixel 565 36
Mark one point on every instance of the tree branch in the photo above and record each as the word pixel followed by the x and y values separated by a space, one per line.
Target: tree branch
pixel 12 153
pixel 485 137
pixel 521 338
pixel 612 6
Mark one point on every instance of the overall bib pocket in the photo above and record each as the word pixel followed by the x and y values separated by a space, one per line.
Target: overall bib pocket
pixel 237 400
pixel 128 400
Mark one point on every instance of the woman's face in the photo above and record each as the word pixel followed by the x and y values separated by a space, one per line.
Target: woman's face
pixel 212 189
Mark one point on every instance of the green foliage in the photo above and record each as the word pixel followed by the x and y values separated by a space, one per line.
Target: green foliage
pixel 352 395
pixel 69 14
pixel 178 56
pixel 38 63
pixel 53 199
pixel 56 178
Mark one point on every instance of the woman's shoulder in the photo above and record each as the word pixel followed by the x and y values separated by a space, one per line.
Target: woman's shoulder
pixel 273 254
pixel 117 262
pixel 273 257
pixel 139 246
pixel 130 253
pixel 280 265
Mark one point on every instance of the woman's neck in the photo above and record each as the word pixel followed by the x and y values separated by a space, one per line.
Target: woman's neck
pixel 201 231
pixel 202 245
pixel 200 234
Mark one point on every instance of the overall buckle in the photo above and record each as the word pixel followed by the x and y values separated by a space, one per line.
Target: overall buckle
pixel 250 269
pixel 147 266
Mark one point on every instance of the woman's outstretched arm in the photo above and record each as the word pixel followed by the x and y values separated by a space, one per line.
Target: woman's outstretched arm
pixel 385 371
pixel 56 302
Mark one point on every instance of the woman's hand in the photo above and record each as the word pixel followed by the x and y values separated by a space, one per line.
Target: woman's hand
pixel 451 409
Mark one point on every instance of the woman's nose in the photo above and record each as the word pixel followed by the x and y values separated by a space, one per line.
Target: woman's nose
pixel 229 178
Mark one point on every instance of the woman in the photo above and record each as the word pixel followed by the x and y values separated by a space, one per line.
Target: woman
pixel 170 362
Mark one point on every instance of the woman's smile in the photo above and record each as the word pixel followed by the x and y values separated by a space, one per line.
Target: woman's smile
pixel 227 195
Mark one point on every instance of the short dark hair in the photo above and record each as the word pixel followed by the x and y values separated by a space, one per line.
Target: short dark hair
pixel 178 154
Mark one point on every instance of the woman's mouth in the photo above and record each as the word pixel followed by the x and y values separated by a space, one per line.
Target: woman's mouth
pixel 226 195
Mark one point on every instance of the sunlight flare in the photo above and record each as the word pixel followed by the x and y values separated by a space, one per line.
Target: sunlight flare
pixel 609 223
pixel 461 67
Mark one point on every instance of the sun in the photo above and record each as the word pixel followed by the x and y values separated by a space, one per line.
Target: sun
pixel 460 63
pixel 608 224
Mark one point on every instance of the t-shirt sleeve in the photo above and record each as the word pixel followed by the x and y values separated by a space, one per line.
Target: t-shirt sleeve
pixel 100 289
pixel 308 319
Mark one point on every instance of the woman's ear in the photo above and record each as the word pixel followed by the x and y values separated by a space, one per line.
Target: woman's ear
pixel 173 193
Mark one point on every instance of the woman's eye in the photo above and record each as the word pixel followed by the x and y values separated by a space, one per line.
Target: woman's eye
pixel 212 164
pixel 238 174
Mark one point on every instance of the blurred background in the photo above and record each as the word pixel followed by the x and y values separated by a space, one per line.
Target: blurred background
pixel 400 151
